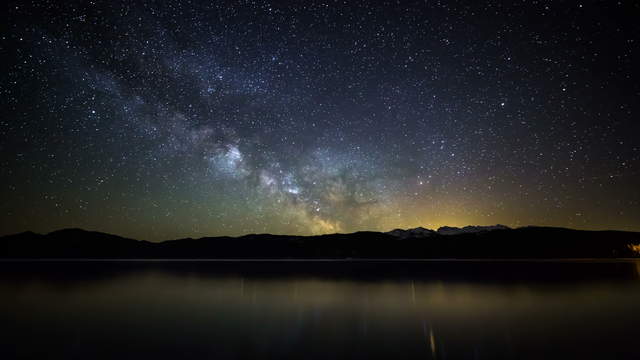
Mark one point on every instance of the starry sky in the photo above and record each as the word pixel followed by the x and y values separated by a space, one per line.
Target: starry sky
pixel 166 119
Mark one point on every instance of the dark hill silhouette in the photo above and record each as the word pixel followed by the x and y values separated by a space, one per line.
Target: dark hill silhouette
pixel 483 242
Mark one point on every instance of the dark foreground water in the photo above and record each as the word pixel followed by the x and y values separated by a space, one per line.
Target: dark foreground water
pixel 324 310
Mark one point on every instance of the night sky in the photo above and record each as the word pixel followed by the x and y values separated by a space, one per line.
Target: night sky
pixel 166 119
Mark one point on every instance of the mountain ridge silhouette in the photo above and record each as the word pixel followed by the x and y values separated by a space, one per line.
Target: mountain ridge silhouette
pixel 466 243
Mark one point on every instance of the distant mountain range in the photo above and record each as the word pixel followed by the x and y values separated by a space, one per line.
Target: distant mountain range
pixel 447 242
pixel 445 230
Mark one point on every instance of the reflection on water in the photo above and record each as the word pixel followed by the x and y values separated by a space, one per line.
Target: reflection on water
pixel 363 310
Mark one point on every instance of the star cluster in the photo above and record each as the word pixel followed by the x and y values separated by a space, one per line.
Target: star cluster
pixel 161 119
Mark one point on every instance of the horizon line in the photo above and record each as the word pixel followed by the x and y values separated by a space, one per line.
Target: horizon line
pixel 318 235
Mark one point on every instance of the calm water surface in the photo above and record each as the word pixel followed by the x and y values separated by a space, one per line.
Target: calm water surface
pixel 426 310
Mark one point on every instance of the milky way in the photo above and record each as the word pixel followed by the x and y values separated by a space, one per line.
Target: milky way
pixel 185 118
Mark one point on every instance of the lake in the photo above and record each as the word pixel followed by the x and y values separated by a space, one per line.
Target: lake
pixel 320 310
